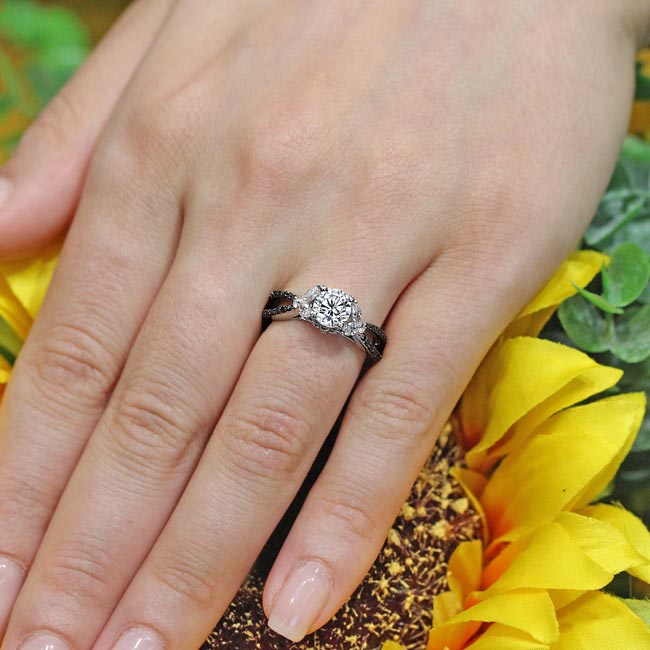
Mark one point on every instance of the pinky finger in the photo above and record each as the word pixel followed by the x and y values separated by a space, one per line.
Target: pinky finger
pixel 438 332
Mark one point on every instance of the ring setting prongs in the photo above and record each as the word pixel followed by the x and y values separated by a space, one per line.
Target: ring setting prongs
pixel 331 310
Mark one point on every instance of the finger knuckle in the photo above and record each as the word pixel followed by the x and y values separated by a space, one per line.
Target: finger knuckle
pixel 265 441
pixel 278 154
pixel 80 568
pixel 137 148
pixel 187 578
pixel 494 214
pixel 151 422
pixel 400 407
pixel 69 359
pixel 23 498
pixel 349 515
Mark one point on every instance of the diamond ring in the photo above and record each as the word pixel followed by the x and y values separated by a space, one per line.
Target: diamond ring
pixel 331 310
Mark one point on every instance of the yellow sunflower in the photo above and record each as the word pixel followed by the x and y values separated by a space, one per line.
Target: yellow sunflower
pixel 536 457
pixel 22 288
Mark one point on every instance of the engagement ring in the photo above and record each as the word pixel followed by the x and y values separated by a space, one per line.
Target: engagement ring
pixel 331 310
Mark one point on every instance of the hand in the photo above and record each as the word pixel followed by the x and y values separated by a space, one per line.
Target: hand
pixel 435 160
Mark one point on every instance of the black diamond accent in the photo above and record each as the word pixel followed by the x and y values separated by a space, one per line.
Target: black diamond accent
pixel 373 338
pixel 272 307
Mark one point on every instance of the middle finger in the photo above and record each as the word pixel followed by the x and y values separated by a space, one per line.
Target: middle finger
pixel 177 378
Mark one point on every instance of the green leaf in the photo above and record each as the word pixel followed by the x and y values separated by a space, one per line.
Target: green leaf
pixel 35 27
pixel 631 336
pixel 19 22
pixel 11 80
pixel 10 343
pixel 636 149
pixel 6 103
pixel 620 178
pixel 642 91
pixel 618 207
pixel 586 326
pixel 9 143
pixel 644 296
pixel 637 231
pixel 627 275
pixel 52 67
pixel 640 607
pixel 598 301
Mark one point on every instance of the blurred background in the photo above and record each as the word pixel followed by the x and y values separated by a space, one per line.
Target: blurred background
pixel 41 44
pixel 97 15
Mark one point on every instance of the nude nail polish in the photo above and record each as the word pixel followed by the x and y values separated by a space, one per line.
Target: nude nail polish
pixel 44 641
pixel 139 638
pixel 300 601
pixel 11 580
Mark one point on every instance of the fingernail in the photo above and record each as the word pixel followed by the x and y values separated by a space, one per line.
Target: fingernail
pixel 11 580
pixel 301 600
pixel 139 638
pixel 6 187
pixel 44 641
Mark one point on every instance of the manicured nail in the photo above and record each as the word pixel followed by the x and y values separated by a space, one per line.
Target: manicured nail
pixel 301 600
pixel 139 638
pixel 6 187
pixel 11 580
pixel 44 641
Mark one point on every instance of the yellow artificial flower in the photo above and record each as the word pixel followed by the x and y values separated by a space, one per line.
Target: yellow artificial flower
pixel 23 284
pixel 535 459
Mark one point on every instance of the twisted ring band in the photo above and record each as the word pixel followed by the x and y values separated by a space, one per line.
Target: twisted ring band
pixel 331 310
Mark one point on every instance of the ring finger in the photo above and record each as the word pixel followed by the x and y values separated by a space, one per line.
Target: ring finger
pixel 288 396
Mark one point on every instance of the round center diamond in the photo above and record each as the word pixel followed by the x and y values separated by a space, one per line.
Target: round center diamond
pixel 332 308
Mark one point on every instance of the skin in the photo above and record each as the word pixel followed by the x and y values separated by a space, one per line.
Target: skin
pixel 435 160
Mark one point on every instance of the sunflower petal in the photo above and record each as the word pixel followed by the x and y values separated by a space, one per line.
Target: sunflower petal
pixel 580 267
pixel 635 531
pixel 548 559
pixel 29 278
pixel 539 376
pixel 12 310
pixel 500 637
pixel 572 457
pixel 597 621
pixel 528 610
pixel 604 543
pixel 452 636
pixel 5 370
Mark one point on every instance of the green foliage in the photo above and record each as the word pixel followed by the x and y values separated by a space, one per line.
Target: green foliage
pixel 640 607
pixel 627 275
pixel 585 325
pixel 41 46
pixel 642 83
pixel 36 27
pixel 610 318
pixel 613 314
pixel 9 342
pixel 598 301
